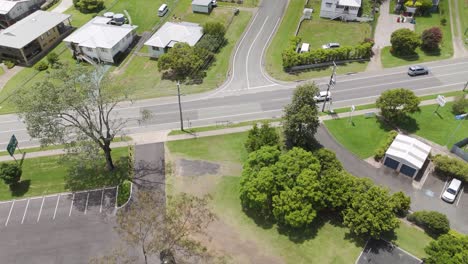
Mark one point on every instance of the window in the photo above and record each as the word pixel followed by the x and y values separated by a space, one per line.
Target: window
pixel 156 48
pixel 128 36
pixel 328 4
pixel 103 49
pixel 42 37
pixel 48 33
pixel 89 49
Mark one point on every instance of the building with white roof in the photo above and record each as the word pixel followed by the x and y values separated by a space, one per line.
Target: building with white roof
pixel 12 11
pixel 30 38
pixel 171 33
pixel 342 9
pixel 101 40
pixel 406 155
pixel 202 6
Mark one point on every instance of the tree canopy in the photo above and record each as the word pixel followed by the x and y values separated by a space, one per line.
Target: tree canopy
pixel 397 103
pixel 180 62
pixel 404 42
pixel 263 136
pixel 431 39
pixel 447 249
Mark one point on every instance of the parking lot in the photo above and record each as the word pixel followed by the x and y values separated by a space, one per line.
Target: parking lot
pixel 57 207
pixel 434 187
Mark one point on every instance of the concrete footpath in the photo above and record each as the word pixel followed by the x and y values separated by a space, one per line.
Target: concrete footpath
pixel 162 136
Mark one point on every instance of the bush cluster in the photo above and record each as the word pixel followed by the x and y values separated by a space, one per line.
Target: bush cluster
pixel 10 173
pixel 434 223
pixel 460 105
pixel 124 193
pixel 451 167
pixel 263 136
pixel 380 151
pixel 292 58
pixel 89 6
pixel 41 66
pixel 9 64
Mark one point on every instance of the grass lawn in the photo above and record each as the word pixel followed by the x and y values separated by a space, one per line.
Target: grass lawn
pixel 2 71
pixel 47 175
pixel 423 23
pixel 463 13
pixel 142 73
pixel 412 239
pixel 364 136
pixel 317 32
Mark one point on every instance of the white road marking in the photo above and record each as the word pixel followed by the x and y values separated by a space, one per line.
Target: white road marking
pixel 445 185
pixel 459 196
pixel 9 214
pixel 116 195
pixel 102 198
pixel 262 70
pixel 71 205
pixel 25 210
pixel 40 210
pixel 56 206
pixel 86 207
pixel 248 53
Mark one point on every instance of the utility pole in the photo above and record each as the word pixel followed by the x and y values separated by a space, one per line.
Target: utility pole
pixel 332 82
pixel 466 85
pixel 180 107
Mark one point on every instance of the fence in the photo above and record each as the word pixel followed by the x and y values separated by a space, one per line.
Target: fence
pixel 457 149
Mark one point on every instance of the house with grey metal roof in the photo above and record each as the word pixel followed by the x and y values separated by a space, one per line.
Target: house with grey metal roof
pixel 202 6
pixel 346 10
pixel 171 33
pixel 102 39
pixel 30 38
pixel 12 11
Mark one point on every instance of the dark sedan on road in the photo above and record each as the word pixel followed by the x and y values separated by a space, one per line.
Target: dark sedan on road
pixel 418 70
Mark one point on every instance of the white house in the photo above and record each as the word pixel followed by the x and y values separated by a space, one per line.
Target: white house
pixel 100 40
pixel 406 155
pixel 171 33
pixel 342 9
pixel 202 6
pixel 12 11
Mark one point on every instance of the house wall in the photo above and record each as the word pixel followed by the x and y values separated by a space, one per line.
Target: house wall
pixel 330 9
pixel 201 9
pixel 49 38
pixel 155 52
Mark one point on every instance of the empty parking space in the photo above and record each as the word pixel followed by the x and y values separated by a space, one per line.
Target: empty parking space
pixel 57 206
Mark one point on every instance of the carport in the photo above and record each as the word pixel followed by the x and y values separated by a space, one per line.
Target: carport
pixel 406 155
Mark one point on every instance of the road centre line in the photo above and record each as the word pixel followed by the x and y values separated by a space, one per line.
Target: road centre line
pixel 248 53
pixel 71 205
pixel 459 196
pixel 25 210
pixel 86 207
pixel 56 206
pixel 40 210
pixel 9 214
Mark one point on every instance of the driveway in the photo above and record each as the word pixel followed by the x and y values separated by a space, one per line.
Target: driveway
pixel 427 198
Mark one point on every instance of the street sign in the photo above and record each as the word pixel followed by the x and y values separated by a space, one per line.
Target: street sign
pixel 12 145
pixel 441 100
pixel 460 117
pixel 353 108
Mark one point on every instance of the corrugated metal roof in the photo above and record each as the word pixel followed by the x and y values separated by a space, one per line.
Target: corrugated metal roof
pixel 355 3
pixel 409 149
pixel 6 6
pixel 201 2
pixel 176 32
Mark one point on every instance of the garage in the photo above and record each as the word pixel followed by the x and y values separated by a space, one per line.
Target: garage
pixel 202 6
pixel 406 155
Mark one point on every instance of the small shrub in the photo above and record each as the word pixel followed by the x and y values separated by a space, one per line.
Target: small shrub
pixel 443 21
pixel 9 64
pixel 431 39
pixel 41 66
pixel 10 173
pixel 451 167
pixel 124 193
pixel 380 151
pixel 434 223
pixel 52 59
pixel 460 105
pixel 263 136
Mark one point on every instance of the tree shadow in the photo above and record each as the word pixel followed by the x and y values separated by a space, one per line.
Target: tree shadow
pixel 20 188
pixel 408 124
pixel 149 175
pixel 265 223
pixel 384 124
pixel 407 57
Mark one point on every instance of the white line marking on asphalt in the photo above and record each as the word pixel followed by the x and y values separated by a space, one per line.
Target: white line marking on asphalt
pixel 71 206
pixel 442 192
pixel 262 70
pixel 459 196
pixel 40 210
pixel 86 207
pixel 9 214
pixel 357 260
pixel 102 198
pixel 248 53
pixel 116 195
pixel 56 206
pixel 25 210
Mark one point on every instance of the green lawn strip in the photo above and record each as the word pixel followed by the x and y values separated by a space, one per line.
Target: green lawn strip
pixel 422 23
pixel 142 73
pixel 218 127
pixel 47 175
pixel 412 239
pixel 463 15
pixel 246 3
pixel 2 71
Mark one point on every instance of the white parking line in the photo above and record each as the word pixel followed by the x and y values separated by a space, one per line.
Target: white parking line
pixel 116 195
pixel 25 210
pixel 459 197
pixel 56 206
pixel 40 210
pixel 86 207
pixel 102 198
pixel 71 206
pixel 9 214
pixel 443 189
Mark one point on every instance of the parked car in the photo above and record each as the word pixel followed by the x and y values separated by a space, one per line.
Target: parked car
pixel 417 70
pixel 331 46
pixel 214 3
pixel 452 190
pixel 322 96
pixel 163 9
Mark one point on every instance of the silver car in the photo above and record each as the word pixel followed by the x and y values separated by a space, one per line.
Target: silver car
pixel 418 70
pixel 322 96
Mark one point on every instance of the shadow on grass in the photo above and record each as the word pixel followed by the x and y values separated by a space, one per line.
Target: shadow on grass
pixel 408 124
pixel 21 188
pixel 407 57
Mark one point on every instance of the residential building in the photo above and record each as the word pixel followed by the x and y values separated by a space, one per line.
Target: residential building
pixel 171 33
pixel 30 38
pixel 343 9
pixel 12 11
pixel 101 40
pixel 202 6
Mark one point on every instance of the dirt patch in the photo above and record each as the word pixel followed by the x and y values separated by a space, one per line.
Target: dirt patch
pixel 196 168
pixel 374 163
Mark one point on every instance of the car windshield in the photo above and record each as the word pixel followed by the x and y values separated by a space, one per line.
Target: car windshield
pixel 451 191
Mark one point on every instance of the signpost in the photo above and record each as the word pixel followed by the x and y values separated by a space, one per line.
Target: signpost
pixel 331 83
pixel 351 113
pixel 441 101
pixel 12 145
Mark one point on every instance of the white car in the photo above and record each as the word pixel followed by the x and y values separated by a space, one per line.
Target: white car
pixel 452 190
pixel 214 3
pixel 322 96
pixel 331 46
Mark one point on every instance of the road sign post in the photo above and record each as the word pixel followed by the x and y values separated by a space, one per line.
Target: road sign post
pixel 12 145
pixel 351 114
pixel 441 101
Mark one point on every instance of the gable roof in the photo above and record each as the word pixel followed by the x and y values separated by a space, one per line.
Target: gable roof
pixel 98 34
pixel 409 149
pixel 30 28
pixel 6 6
pixel 171 33
pixel 355 3
pixel 201 2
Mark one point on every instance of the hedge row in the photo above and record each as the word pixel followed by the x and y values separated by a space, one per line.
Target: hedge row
pixel 380 151
pixel 292 58
pixel 434 223
pixel 450 167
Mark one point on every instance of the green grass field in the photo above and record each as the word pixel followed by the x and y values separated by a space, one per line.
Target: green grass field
pixel 47 175
pixel 463 14
pixel 363 136
pixel 412 239
pixel 423 23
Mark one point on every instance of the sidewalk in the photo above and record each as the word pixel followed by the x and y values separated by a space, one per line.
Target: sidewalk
pixel 162 136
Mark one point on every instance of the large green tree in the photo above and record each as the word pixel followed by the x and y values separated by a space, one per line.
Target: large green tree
pixel 263 136
pixel 181 62
pixel 370 213
pixel 447 249
pixel 397 103
pixel 404 42
pixel 300 121
pixel 73 103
